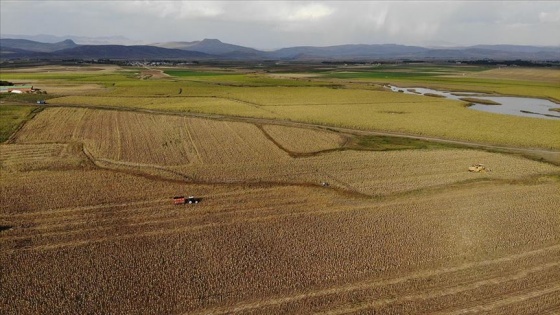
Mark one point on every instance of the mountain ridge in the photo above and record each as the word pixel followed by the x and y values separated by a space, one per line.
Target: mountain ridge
pixel 216 49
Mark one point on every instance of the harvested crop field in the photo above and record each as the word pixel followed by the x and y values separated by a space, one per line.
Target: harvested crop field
pixel 300 140
pixel 152 139
pixel 294 217
pixel 213 151
pixel 113 242
pixel 377 173
pixel 27 157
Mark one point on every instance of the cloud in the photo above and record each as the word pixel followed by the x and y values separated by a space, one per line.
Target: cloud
pixel 233 11
pixel 311 11
pixel 274 24
pixel 171 9
pixel 550 17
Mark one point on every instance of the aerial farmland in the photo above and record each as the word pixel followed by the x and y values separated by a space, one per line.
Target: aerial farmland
pixel 321 191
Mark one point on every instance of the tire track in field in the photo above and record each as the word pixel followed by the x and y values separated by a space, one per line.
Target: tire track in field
pixel 457 290
pixel 74 136
pixel 264 218
pixel 141 165
pixel 194 144
pixel 507 301
pixel 252 104
pixel 83 208
pixel 50 212
pixel 184 144
pixel 137 214
pixel 118 135
pixel 155 232
pixel 393 281
pixel 167 231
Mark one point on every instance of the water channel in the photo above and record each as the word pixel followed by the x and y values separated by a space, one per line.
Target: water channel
pixel 510 105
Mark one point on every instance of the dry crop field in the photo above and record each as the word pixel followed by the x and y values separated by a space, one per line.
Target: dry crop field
pixel 88 224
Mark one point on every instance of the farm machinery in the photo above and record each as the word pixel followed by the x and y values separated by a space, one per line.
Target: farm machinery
pixel 182 200
pixel 478 168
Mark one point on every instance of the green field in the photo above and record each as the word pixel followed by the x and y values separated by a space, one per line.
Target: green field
pixel 342 97
pixel 11 117
pixel 459 78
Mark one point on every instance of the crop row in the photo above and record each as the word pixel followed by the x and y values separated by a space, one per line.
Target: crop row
pixel 152 139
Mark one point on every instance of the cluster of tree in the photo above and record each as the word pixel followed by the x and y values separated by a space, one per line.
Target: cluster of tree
pixel 6 83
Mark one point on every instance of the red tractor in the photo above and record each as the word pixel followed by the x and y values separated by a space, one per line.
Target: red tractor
pixel 181 200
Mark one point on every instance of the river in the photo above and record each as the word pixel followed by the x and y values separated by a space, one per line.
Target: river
pixel 510 105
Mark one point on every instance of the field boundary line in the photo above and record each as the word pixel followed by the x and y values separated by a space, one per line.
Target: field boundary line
pixel 13 137
pixel 376 283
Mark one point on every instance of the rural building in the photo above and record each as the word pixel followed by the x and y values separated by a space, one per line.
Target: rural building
pixel 19 89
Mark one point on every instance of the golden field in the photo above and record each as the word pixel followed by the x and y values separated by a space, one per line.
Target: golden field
pixel 100 241
pixel 213 151
pixel 294 218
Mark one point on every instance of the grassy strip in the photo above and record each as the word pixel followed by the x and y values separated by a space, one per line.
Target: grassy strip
pixel 388 143
pixel 13 116
pixel 479 101
pixel 190 73
pixel 434 95
pixel 439 78
pixel 24 98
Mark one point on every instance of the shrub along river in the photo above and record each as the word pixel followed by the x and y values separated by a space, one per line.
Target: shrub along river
pixel 509 105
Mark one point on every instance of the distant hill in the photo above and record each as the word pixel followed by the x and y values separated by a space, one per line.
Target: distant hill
pixel 348 52
pixel 106 52
pixel 393 52
pixel 29 45
pixel 519 48
pixel 80 40
pixel 215 49
pixel 125 52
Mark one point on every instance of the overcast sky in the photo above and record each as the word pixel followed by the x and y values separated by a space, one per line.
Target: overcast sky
pixel 277 24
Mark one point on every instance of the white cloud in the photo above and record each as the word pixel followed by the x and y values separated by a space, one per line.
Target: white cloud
pixel 550 17
pixel 311 11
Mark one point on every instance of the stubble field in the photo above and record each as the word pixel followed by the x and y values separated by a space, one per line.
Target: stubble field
pixel 294 219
